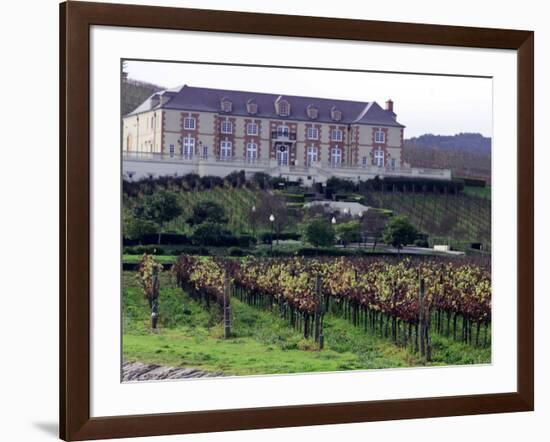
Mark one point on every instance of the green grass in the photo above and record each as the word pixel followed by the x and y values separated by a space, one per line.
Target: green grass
pixel 134 259
pixel 262 343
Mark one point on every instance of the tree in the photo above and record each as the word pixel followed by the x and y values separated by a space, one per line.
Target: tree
pixel 373 225
pixel 271 204
pixel 208 234
pixel 158 208
pixel 136 228
pixel 399 232
pixel 207 211
pixel 349 232
pixel 319 232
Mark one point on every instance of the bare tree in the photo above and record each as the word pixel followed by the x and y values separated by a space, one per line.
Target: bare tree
pixel 373 225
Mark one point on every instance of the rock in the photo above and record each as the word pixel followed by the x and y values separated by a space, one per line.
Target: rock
pixel 138 371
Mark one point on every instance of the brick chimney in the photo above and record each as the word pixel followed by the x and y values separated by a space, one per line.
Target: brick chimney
pixel 389 105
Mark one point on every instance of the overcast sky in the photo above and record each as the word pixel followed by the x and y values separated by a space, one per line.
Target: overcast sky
pixel 423 103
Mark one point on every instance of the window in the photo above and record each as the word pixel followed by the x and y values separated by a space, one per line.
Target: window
pixel 251 152
pixel 379 136
pixel 251 108
pixel 365 161
pixel 335 114
pixel 252 129
pixel 205 152
pixel 189 123
pixel 225 150
pixel 337 135
pixel 312 112
pixel 312 133
pixel 172 151
pixel 379 158
pixel 336 156
pixel 226 127
pixel 283 131
pixel 392 163
pixel 188 147
pixel 284 108
pixel 312 155
pixel 226 105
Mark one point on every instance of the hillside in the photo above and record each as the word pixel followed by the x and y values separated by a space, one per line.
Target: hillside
pixel 466 154
pixel 459 219
pixel 134 93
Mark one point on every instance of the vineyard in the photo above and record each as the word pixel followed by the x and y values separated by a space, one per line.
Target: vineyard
pixel 404 301
pixel 462 218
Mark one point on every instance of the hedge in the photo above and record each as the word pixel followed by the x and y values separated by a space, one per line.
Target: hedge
pixel 265 237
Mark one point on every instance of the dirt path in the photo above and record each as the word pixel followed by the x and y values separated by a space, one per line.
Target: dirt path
pixel 137 371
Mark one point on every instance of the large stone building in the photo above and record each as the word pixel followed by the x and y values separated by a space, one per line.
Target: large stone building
pixel 214 132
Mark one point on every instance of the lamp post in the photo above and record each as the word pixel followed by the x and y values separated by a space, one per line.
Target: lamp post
pixel 271 220
pixel 254 221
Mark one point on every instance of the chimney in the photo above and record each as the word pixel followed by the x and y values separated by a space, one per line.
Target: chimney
pixel 389 105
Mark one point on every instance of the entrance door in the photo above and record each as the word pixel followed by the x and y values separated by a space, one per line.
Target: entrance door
pixel 282 155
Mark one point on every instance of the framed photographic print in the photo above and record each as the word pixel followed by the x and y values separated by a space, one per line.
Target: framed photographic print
pixel 274 221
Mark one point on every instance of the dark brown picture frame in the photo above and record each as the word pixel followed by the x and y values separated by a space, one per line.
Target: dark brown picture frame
pixel 75 21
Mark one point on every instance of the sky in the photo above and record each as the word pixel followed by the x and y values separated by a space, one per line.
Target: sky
pixel 442 105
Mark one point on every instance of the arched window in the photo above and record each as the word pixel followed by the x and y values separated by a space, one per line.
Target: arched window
pixel 226 105
pixel 312 112
pixel 335 114
pixel 283 107
pixel 251 107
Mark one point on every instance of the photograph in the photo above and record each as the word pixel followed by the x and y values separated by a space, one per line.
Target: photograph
pixel 287 220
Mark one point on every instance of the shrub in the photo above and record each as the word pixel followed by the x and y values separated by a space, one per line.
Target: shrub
pixel 191 250
pixel 140 250
pixel 235 251
pixel 265 237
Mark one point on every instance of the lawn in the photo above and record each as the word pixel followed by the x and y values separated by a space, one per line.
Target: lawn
pixel 262 343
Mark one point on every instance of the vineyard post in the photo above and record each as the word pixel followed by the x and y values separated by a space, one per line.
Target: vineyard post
pixel 319 305
pixel 226 309
pixel 421 318
pixel 155 285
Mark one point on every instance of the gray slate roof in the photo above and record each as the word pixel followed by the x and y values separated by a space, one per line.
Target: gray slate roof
pixel 209 100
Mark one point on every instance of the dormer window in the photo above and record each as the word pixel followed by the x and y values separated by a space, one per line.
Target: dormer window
pixel 312 112
pixel 251 107
pixel 282 107
pixel 335 114
pixel 227 106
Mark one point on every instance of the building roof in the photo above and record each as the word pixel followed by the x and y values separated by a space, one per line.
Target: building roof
pixel 209 100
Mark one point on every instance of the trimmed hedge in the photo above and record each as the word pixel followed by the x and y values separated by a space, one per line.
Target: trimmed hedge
pixel 265 237
pixel 140 250
pixel 191 250
pixel 474 182
pixel 166 239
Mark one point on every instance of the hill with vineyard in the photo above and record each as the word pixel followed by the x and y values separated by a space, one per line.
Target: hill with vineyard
pixel 466 154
